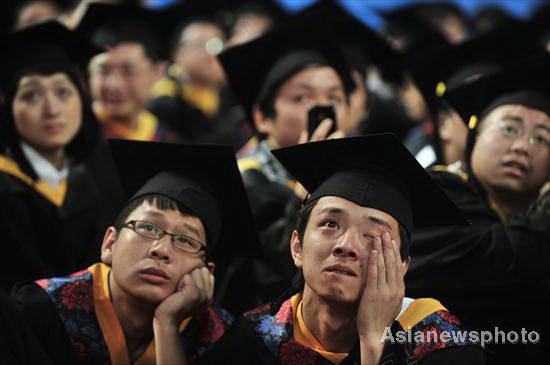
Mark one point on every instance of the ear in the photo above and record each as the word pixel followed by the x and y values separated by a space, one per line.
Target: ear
pixel 444 126
pixel 263 123
pixel 211 267
pixel 405 264
pixel 108 244
pixel 161 69
pixel 296 249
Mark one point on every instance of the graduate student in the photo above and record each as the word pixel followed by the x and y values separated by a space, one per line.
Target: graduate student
pixel 292 68
pixel 53 178
pixel 121 77
pixel 490 272
pixel 155 281
pixel 351 246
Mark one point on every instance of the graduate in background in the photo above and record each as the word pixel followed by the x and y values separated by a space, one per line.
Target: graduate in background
pixel 121 78
pixel 494 273
pixel 55 188
pixel 293 67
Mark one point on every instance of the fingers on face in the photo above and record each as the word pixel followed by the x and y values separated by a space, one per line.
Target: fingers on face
pixel 372 270
pixel 389 258
pixel 380 262
pixel 204 281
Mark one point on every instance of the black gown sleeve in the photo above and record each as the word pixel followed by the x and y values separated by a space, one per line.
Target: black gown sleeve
pixel 18 344
pixel 34 305
pixel 238 346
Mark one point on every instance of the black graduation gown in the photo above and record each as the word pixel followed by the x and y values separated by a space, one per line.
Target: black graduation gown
pixel 193 126
pixel 490 274
pixel 242 344
pixel 18 344
pixel 44 240
pixel 37 310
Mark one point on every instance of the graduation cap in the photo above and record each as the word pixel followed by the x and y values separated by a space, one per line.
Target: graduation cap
pixel 525 83
pixel 374 171
pixel 106 23
pixel 409 24
pixel 464 62
pixel 355 35
pixel 266 62
pixel 204 178
pixel 18 6
pixel 45 48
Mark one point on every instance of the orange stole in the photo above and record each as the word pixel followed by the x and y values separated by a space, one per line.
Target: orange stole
pixel 109 324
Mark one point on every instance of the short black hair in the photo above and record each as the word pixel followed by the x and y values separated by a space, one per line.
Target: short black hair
pixel 305 213
pixel 266 98
pixel 162 202
pixel 174 42
pixel 128 31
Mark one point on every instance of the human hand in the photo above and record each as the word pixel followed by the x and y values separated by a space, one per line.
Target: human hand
pixel 382 297
pixel 194 291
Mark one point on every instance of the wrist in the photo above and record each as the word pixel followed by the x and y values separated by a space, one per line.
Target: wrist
pixel 165 325
pixel 371 351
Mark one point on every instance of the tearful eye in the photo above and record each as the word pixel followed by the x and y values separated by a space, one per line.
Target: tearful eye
pixel 330 224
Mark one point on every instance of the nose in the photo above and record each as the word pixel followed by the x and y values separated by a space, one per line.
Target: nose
pixel 112 80
pixel 348 245
pixel 51 105
pixel 521 145
pixel 161 249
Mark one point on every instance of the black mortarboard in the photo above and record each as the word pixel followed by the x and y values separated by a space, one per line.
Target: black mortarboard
pixel 414 28
pixel 374 171
pixel 271 59
pixel 105 24
pixel 45 48
pixel 354 34
pixel 204 178
pixel 477 57
pixel 540 21
pixel 465 62
pixel 526 83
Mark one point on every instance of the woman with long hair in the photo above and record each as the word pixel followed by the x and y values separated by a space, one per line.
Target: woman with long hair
pixel 53 207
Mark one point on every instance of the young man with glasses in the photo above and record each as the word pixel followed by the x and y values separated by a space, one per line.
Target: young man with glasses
pixel 155 283
pixel 501 260
pixel 192 98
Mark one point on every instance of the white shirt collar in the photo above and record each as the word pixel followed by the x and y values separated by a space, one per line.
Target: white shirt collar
pixel 43 168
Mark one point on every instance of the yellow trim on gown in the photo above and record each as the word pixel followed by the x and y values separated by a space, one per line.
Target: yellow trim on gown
pixel 55 195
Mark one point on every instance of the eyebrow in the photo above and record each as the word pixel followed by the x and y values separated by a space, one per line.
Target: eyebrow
pixel 373 219
pixel 513 118
pixel 331 210
pixel 517 119
pixel 379 221
pixel 190 227
pixel 193 229
pixel 30 83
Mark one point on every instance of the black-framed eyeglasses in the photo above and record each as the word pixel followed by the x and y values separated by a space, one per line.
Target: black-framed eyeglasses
pixel 179 241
